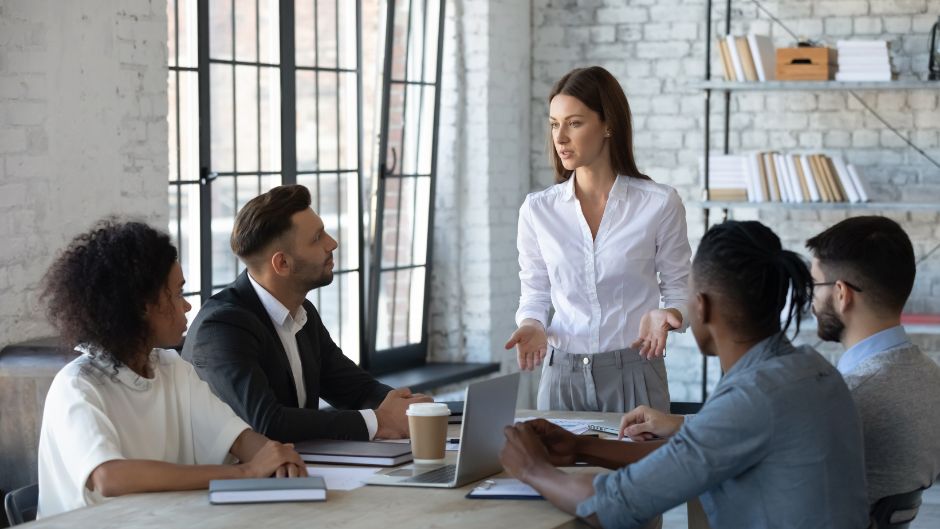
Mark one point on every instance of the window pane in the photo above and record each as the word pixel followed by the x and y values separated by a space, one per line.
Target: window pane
pixel 415 306
pixel 270 119
pixel 390 220
pixel 418 132
pixel 188 33
pixel 222 119
pixel 421 202
pixel 184 231
pixel 312 183
pixel 223 217
pixel 348 122
pixel 246 118
pixel 306 121
pixel 220 29
pixel 246 30
pixel 326 33
pixel 349 337
pixel 396 119
pixel 269 36
pixel 400 39
pixel 348 234
pixel 430 49
pixel 189 125
pixel 328 125
pixel 304 27
pixel 328 207
pixel 247 188
pixel 416 44
pixel 347 34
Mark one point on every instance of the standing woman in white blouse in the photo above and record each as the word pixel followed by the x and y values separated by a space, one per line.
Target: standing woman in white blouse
pixel 601 246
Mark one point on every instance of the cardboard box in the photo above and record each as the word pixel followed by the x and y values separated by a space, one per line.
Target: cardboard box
pixel 805 64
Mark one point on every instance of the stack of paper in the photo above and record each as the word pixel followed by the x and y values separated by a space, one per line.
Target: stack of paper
pixel 863 60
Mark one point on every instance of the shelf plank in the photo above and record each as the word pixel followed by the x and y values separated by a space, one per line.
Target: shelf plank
pixel 868 206
pixel 778 86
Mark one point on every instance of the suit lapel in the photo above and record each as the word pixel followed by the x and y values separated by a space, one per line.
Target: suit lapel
pixel 277 354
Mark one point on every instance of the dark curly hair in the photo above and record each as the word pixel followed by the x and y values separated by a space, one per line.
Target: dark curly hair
pixel 97 290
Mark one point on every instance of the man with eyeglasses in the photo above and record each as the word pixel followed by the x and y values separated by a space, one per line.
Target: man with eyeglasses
pixel 863 272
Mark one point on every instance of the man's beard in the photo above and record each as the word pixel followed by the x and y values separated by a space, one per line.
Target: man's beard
pixel 311 276
pixel 830 327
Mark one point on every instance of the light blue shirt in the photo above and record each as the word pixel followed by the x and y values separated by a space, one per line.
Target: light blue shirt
pixel 879 342
pixel 778 444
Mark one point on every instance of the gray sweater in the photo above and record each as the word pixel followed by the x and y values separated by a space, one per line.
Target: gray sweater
pixel 897 393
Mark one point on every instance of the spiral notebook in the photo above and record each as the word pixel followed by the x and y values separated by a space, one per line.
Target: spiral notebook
pixel 503 489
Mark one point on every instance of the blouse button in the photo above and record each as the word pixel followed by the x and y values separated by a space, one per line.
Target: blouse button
pixel 586 360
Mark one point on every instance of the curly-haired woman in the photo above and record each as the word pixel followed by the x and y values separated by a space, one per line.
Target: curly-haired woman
pixel 126 416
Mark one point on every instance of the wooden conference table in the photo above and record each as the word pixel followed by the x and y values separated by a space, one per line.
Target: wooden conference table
pixel 367 507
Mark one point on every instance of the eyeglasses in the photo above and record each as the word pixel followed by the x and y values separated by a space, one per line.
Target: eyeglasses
pixel 827 283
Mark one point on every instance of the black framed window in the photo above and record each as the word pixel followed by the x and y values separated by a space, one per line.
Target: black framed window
pixel 265 92
pixel 400 267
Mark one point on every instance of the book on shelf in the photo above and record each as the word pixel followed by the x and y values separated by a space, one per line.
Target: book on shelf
pixel 267 490
pixel 735 58
pixel 747 58
pixel 354 452
pixel 770 176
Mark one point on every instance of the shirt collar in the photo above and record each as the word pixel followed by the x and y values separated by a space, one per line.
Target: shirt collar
pixel 103 363
pixel 617 192
pixel 879 342
pixel 275 309
pixel 774 345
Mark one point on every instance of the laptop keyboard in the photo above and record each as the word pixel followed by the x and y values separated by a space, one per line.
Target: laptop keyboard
pixel 444 474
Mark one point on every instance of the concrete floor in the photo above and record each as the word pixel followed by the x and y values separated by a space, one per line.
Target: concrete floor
pixel 927 518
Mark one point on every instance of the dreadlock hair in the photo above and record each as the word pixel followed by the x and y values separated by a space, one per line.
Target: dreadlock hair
pixel 744 262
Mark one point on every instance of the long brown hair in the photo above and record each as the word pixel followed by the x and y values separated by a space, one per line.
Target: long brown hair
pixel 599 91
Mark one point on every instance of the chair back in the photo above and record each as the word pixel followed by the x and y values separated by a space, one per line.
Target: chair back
pixel 21 504
pixel 897 511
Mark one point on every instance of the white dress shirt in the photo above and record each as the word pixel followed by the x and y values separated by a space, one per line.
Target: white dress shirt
pixel 94 414
pixel 287 325
pixel 601 288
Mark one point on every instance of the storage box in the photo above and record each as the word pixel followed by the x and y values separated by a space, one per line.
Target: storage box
pixel 805 64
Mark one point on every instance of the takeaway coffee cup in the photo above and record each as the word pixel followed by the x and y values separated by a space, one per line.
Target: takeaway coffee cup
pixel 427 422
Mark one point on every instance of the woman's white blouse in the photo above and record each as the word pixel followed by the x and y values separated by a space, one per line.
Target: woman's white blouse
pixel 601 288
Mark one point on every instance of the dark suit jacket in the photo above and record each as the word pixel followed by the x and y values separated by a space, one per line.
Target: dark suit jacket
pixel 235 348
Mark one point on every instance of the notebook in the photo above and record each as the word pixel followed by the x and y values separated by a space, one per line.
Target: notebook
pixel 354 452
pixel 265 490
pixel 504 489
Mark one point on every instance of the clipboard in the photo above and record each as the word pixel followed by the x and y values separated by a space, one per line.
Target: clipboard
pixel 503 489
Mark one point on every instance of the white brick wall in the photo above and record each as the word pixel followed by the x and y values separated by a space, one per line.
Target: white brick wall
pixel 82 134
pixel 658 47
pixel 483 176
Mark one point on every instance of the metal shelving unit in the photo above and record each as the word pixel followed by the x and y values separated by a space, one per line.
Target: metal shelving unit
pixel 725 88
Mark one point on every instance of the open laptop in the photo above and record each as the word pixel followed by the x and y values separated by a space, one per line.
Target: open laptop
pixel 489 406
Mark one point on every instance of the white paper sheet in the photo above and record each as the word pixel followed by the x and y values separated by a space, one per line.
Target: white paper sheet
pixel 342 478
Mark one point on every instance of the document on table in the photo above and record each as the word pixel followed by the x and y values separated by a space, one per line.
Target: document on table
pixel 575 426
pixel 342 478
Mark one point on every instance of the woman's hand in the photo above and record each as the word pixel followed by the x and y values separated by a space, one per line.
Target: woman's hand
pixel 653 329
pixel 531 344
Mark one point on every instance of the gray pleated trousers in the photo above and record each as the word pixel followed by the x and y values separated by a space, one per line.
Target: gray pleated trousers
pixel 615 381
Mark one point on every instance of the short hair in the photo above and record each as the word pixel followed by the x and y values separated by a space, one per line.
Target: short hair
pixel 745 263
pixel 599 91
pixel 98 288
pixel 871 252
pixel 266 218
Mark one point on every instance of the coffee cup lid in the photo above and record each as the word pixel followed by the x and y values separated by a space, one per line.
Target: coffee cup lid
pixel 428 409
